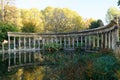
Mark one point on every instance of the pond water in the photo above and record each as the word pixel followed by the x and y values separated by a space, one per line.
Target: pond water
pixel 60 65
pixel 35 65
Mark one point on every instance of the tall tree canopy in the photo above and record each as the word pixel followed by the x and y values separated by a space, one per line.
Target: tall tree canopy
pixel 33 17
pixel 3 7
pixel 111 13
pixel 61 20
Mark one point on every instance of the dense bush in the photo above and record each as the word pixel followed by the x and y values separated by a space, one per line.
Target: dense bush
pixel 4 28
pixel 92 66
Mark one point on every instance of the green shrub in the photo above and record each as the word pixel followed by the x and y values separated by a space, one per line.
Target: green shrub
pixel 52 47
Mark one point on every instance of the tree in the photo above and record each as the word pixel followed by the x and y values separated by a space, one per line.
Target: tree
pixel 118 2
pixel 61 20
pixel 111 13
pixel 4 28
pixel 12 15
pixel 34 17
pixel 87 22
pixel 3 4
pixel 28 27
pixel 96 24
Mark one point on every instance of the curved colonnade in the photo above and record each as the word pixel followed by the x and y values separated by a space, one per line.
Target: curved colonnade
pixel 102 37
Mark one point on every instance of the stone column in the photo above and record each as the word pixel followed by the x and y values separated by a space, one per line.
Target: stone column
pixel 106 40
pixel 43 42
pixel 81 41
pixel 98 41
pixel 109 39
pixel 77 41
pixel 113 40
pixel 34 43
pixel 56 40
pixel 9 42
pixel 64 42
pixel 73 42
pixel 19 42
pixel 93 41
pixel 51 39
pixel 68 41
pixel 47 41
pixel 89 41
pixel 102 41
pixel 39 43
pixel 14 43
pixel 24 42
pixel 29 42
pixel 60 41
pixel 85 42
pixel 117 34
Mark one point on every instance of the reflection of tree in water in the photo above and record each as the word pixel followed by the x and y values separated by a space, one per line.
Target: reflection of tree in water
pixel 67 66
pixel 42 72
pixel 4 74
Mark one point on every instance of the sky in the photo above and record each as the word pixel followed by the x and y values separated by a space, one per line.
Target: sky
pixel 96 9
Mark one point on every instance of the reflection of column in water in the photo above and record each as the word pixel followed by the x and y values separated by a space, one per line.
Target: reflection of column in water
pixel 24 57
pixel 19 57
pixel 14 58
pixel 9 58
pixel 34 56
pixel 3 55
pixel 40 59
pixel 29 57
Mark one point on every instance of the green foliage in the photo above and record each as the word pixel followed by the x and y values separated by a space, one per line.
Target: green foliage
pixel 61 20
pixel 104 68
pixel 91 66
pixel 96 24
pixel 52 47
pixel 28 27
pixel 118 2
pixel 50 19
pixel 111 13
pixel 4 28
pixel 33 17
